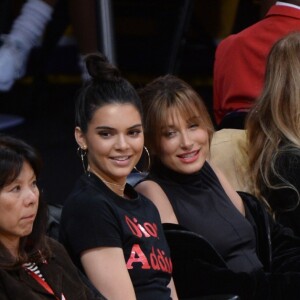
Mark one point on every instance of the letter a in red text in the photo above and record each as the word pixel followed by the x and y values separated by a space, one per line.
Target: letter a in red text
pixel 137 256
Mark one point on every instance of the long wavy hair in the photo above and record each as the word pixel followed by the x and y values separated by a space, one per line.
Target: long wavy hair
pixel 273 124
pixel 33 248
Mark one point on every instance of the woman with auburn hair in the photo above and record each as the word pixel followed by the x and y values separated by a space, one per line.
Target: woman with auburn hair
pixel 260 258
pixel 273 130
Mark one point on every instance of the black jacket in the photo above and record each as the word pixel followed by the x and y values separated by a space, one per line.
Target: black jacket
pixel 60 274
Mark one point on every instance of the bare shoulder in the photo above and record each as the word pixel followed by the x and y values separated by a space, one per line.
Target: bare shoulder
pixel 152 191
pixel 155 193
pixel 149 188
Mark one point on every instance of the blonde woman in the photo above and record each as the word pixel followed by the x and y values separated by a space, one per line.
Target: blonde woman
pixel 273 128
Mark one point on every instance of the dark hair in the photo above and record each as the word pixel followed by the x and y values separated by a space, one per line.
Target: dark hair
pixel 170 92
pixel 13 153
pixel 105 87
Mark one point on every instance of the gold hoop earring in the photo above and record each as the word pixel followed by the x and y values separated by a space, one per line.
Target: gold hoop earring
pixel 149 162
pixel 81 152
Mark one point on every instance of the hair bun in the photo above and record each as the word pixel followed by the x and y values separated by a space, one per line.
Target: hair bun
pixel 100 69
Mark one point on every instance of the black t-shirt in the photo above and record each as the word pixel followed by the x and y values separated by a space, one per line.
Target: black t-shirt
pixel 202 206
pixel 94 216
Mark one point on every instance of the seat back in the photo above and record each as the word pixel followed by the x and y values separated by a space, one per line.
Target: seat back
pixel 187 244
pixel 191 255
pixel 235 119
pixel 54 214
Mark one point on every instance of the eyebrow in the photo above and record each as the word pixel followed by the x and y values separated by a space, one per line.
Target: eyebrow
pixel 168 126
pixel 135 126
pixel 111 128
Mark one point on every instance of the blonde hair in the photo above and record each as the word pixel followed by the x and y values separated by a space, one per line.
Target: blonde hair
pixel 273 124
pixel 164 93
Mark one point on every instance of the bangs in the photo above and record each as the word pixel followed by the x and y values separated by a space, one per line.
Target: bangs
pixel 11 169
pixel 188 110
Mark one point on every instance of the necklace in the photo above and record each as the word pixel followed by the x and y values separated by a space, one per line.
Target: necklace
pixel 115 187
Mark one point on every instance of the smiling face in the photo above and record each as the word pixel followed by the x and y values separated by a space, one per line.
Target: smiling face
pixel 18 207
pixel 114 141
pixel 184 145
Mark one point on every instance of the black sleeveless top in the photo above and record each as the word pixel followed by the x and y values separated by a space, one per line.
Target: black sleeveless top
pixel 202 206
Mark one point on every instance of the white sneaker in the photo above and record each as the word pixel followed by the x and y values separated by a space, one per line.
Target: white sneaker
pixel 13 61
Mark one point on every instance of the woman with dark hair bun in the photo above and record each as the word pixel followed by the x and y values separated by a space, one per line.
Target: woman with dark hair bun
pixel 32 265
pixel 113 234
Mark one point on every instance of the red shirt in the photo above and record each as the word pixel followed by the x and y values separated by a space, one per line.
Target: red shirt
pixel 240 59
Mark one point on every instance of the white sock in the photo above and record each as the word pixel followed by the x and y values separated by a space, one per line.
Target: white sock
pixel 29 26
